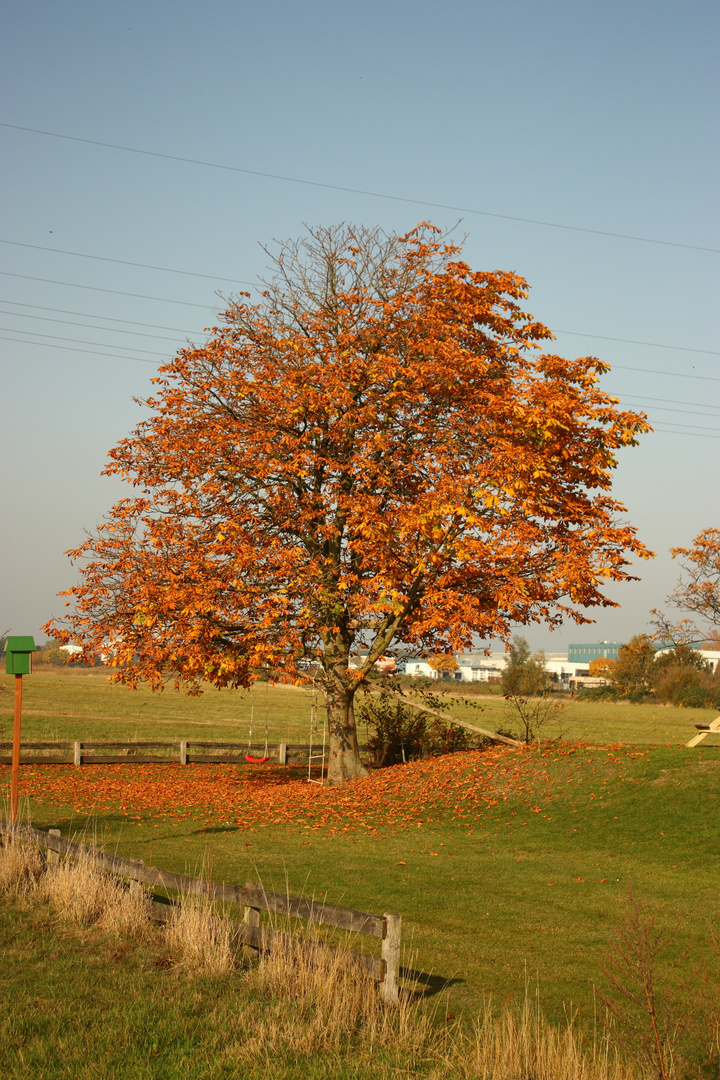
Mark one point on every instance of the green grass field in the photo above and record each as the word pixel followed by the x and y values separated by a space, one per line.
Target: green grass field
pixel 73 703
pixel 532 886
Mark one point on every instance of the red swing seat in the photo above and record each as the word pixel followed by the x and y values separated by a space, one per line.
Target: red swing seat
pixel 256 760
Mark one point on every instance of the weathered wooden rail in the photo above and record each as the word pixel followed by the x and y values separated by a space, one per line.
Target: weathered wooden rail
pixel 184 751
pixel 254 898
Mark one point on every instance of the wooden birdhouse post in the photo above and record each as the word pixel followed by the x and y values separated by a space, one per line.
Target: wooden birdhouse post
pixel 18 662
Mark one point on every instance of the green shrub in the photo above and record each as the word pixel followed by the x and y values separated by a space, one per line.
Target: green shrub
pixel 599 693
pixel 398 733
pixel 699 697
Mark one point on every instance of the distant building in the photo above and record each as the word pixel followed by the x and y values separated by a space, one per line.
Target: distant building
pixel 70 649
pixel 583 654
pixel 710 656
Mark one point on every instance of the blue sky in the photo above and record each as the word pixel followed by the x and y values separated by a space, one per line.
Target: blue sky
pixel 600 117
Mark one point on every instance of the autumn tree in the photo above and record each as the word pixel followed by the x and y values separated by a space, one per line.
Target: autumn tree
pixel 697 592
pixel 677 670
pixel 51 654
pixel 378 450
pixel 632 674
pixel 524 673
pixel 600 667
pixel 444 665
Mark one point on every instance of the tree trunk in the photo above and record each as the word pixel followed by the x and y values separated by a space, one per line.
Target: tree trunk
pixel 344 757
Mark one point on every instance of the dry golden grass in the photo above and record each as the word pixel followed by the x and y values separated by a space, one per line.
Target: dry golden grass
pixel 83 894
pixel 21 866
pixel 319 1002
pixel 523 1046
pixel 307 1000
pixel 200 941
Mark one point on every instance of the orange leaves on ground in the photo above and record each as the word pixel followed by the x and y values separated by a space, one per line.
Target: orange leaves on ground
pixel 460 787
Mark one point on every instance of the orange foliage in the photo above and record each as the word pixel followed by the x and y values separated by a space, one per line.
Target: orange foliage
pixel 444 663
pixel 377 448
pixel 459 787
pixel 600 666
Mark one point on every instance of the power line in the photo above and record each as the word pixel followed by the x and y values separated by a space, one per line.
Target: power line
pixel 685 412
pixel 209 307
pixel 671 401
pixel 80 341
pixel 111 329
pixel 115 292
pixel 89 326
pixel 89 315
pixel 150 352
pixel 67 348
pixel 615 367
pixel 361 191
pixel 673 374
pixel 631 341
pixel 180 330
pixel 125 262
pixel 696 427
pixel 691 434
pixel 670 429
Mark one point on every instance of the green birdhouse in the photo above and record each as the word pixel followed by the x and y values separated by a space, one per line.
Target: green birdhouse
pixel 18 655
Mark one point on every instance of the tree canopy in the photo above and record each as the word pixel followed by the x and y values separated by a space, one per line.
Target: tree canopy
pixel 378 450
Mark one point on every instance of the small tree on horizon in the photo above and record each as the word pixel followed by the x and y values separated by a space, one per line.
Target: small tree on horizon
pixel 377 451
pixel 525 674
pixel 600 667
pixel 632 673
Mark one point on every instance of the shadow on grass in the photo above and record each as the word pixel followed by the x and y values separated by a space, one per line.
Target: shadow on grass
pixel 427 985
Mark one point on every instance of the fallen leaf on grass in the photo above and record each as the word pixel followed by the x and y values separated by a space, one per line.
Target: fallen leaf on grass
pixel 460 788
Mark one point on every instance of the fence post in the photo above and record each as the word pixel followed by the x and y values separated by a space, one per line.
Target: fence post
pixel 136 887
pixel 282 753
pixel 391 956
pixel 251 916
pixel 183 751
pixel 77 753
pixel 52 857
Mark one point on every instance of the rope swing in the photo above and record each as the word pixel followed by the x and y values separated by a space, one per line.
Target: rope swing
pixel 253 758
pixel 314 727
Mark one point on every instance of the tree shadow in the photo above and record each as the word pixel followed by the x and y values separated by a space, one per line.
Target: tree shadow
pixel 425 985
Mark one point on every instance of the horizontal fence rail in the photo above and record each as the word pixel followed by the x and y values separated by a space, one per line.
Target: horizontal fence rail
pixel 253 897
pixel 184 751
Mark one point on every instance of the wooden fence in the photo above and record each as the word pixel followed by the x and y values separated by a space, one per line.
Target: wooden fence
pixel 254 898
pixel 184 751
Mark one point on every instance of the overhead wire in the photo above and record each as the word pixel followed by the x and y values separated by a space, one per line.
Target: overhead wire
pixel 66 322
pixel 90 352
pixel 243 282
pixel 672 374
pixel 615 367
pixel 81 341
pixel 669 429
pixel 115 292
pixel 181 330
pixel 89 326
pixel 208 307
pixel 362 191
pixel 89 315
pixel 632 341
pixel 691 434
pixel 684 412
pixel 670 401
pixel 124 262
